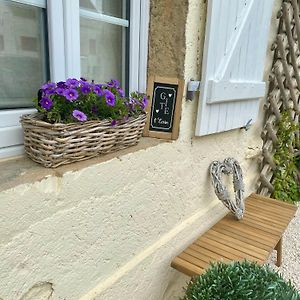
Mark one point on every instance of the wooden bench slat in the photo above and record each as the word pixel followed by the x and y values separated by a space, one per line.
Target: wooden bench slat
pixel 266 220
pixel 201 255
pixel 281 204
pixel 207 252
pixel 249 239
pixel 260 234
pixel 186 267
pixel 266 224
pixel 220 251
pixel 261 224
pixel 247 247
pixel 193 260
pixel 227 247
pixel 252 238
pixel 272 229
pixel 264 207
pixel 236 246
pixel 267 217
pixel 232 230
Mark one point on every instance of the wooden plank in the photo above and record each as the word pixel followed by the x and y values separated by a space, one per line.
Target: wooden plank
pixel 208 253
pixel 250 230
pixel 244 245
pixel 228 248
pixel 274 204
pixel 193 260
pixel 220 251
pixel 186 267
pixel 266 207
pixel 267 218
pixel 248 239
pixel 253 235
pixel 282 216
pixel 273 201
pixel 278 247
pixel 200 255
pixel 264 221
pixel 235 244
pixel 271 208
pixel 260 225
pixel 263 226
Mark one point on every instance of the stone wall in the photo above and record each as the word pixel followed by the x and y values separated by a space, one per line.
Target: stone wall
pixel 167 37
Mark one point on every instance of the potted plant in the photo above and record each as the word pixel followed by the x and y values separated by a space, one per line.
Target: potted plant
pixel 240 280
pixel 78 119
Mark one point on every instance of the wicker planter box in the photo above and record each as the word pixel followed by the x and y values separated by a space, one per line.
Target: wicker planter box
pixel 53 145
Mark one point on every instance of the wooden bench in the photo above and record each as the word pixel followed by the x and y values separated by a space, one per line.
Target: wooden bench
pixel 252 238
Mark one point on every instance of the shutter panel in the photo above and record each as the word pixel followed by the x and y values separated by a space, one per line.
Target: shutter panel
pixel 233 64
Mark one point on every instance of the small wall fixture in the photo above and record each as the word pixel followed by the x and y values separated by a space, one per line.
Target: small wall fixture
pixel 193 86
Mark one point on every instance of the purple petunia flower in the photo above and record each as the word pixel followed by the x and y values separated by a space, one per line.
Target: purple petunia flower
pixel 60 91
pixel 144 101
pixel 79 115
pixel 113 123
pixel 132 101
pixel 46 103
pixel 98 90
pixel 72 82
pixel 86 88
pixel 61 84
pixel 114 83
pixel 109 98
pixel 121 92
pixel 71 94
pixel 48 86
pixel 49 92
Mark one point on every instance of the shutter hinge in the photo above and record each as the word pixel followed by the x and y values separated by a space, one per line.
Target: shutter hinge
pixel 192 87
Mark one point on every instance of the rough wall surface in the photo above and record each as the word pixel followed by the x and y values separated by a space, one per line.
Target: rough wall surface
pixel 167 37
pixel 110 230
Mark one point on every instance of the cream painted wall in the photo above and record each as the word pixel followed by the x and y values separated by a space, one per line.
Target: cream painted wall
pixel 110 230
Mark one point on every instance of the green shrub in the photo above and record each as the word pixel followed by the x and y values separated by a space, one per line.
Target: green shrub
pixel 284 180
pixel 240 280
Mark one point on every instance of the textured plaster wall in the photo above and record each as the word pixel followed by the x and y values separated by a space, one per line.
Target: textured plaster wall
pixel 110 230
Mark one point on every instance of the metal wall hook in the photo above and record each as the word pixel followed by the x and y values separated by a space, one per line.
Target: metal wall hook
pixel 248 125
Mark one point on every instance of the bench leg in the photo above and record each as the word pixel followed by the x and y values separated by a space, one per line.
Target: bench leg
pixel 278 247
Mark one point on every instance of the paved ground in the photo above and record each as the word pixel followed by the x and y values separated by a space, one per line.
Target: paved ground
pixel 290 268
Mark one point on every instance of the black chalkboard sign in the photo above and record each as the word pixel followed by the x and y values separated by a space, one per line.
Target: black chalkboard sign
pixel 165 107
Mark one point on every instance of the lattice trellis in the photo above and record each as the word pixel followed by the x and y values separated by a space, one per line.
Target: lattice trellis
pixel 284 87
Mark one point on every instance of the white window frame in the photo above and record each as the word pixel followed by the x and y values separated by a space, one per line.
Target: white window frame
pixel 64 56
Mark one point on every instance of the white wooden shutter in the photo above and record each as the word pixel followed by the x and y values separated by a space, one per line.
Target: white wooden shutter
pixel 233 64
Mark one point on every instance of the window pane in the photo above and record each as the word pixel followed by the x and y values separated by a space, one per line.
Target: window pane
pixel 102 50
pixel 115 8
pixel 22 53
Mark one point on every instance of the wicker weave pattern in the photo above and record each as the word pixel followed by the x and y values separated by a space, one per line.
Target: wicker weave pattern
pixel 53 145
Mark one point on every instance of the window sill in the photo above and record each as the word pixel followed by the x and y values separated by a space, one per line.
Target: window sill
pixel 20 170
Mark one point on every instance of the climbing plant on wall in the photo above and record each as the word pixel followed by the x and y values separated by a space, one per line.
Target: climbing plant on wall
pixel 284 180
pixel 278 175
